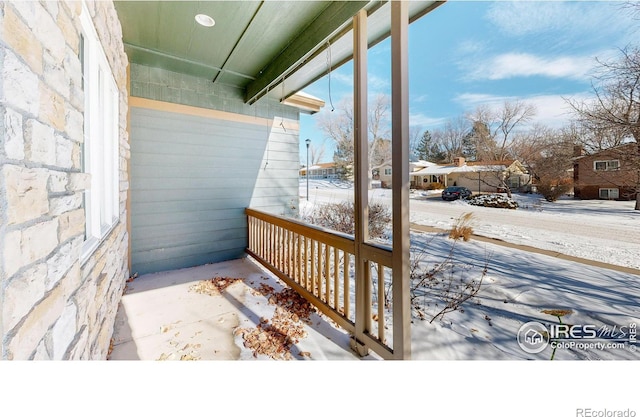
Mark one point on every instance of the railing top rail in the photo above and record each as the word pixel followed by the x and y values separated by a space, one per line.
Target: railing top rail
pixel 338 240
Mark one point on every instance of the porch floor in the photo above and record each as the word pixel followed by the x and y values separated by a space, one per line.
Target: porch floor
pixel 166 316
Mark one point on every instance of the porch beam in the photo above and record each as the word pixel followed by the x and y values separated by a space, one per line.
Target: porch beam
pixel 300 48
pixel 400 178
pixel 361 164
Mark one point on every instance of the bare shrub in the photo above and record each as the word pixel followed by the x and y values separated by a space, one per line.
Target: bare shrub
pixel 552 190
pixel 444 287
pixel 462 229
pixel 341 218
pixel 435 186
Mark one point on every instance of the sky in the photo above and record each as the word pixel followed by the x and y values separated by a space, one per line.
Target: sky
pixel 470 53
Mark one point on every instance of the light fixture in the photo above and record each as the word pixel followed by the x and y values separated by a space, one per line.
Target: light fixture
pixel 205 20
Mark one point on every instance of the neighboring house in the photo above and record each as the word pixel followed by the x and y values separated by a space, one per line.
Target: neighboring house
pixel 610 174
pixel 326 170
pixel 132 139
pixel 383 173
pixel 480 176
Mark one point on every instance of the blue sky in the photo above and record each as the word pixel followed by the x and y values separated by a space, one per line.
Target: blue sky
pixel 467 53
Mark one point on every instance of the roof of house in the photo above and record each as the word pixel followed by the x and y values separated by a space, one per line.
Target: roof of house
pixel 478 166
pixel 606 151
pixel 322 165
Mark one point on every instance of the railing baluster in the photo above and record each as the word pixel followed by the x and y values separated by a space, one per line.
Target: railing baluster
pixel 306 262
pixel 327 274
pixel 347 278
pixel 381 302
pixel 289 252
pixel 336 278
pixel 299 259
pixel 318 283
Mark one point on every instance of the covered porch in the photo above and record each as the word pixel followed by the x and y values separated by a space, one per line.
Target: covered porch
pixel 206 313
pixel 214 133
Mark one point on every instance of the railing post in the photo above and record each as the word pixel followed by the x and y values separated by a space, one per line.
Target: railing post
pixel 361 167
pixel 400 179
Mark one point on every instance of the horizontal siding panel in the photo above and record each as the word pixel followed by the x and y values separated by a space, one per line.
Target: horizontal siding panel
pixel 224 218
pixel 194 249
pixel 181 239
pixel 191 179
pixel 165 264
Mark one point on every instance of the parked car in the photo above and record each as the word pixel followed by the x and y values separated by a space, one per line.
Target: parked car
pixel 454 193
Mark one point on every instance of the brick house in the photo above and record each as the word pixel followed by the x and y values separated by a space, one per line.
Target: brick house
pixel 611 174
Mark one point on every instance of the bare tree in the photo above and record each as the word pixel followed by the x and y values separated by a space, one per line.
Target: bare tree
pixel 339 127
pixel 450 137
pixel 317 153
pixel 496 128
pixel 615 108
pixel 415 136
pixel 616 103
pixel 550 161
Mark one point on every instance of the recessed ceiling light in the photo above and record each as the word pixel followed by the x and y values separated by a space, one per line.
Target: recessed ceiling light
pixel 205 20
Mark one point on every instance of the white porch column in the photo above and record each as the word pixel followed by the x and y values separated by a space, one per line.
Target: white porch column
pixel 400 180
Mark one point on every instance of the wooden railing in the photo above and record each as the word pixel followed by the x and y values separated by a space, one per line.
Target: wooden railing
pixel 320 265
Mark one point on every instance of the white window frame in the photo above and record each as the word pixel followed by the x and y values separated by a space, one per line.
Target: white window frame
pixel 609 191
pixel 607 163
pixel 387 171
pixel 101 139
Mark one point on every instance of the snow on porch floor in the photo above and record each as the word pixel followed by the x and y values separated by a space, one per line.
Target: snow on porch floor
pixel 168 316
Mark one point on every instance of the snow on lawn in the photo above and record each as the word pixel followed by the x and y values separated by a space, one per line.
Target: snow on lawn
pixel 600 230
pixel 519 285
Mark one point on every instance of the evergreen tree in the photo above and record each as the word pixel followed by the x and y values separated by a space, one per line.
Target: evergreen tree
pixel 429 149
pixel 424 146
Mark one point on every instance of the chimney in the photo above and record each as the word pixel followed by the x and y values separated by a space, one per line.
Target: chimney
pixel 458 161
pixel 578 150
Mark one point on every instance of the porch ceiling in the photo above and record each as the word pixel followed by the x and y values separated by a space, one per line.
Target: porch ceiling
pixel 254 45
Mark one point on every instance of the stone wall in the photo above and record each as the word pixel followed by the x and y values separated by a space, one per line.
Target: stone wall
pixel 52 304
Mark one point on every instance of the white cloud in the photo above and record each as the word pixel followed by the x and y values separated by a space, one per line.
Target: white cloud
pixel 551 110
pixel 421 119
pixel 379 84
pixel 342 78
pixel 511 65
pixel 572 18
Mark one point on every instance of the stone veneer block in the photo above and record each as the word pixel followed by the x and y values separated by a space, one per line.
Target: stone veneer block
pixel 26 192
pixel 20 84
pixel 40 144
pixel 22 293
pixel 11 124
pixel 52 111
pixel 72 224
pixel 64 331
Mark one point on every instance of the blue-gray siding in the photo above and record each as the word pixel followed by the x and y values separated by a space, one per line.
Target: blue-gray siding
pixel 191 179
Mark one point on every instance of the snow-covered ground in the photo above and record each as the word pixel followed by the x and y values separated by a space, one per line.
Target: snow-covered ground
pixel 601 230
pixel 520 285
